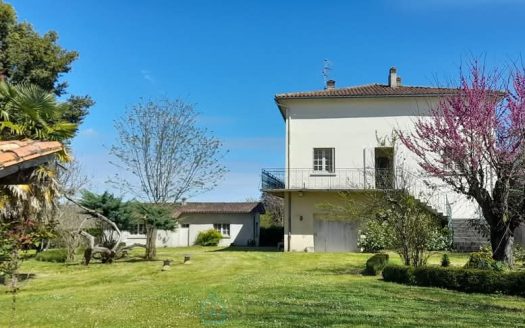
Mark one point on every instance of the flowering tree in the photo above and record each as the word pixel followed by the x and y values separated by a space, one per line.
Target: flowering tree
pixel 474 140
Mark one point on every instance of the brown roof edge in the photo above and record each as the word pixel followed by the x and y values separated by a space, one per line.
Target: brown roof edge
pixel 16 155
pixel 370 90
pixel 219 207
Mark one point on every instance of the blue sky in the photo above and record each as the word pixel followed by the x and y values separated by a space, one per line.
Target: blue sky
pixel 231 57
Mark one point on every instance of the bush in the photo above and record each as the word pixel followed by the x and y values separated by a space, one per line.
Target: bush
pixel 483 260
pixel 374 237
pixel 58 255
pixel 376 264
pixel 271 236
pixel 440 240
pixel 208 238
pixel 519 253
pixel 398 273
pixel 445 260
pixel 464 280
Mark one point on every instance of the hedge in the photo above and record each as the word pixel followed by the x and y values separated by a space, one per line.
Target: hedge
pixel 464 280
pixel 58 255
pixel 376 264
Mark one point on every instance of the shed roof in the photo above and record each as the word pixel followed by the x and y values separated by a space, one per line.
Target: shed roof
pixel 16 155
pixel 225 208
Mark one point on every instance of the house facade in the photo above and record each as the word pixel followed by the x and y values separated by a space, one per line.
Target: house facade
pixel 238 223
pixel 337 139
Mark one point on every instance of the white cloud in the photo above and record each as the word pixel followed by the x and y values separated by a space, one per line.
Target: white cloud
pixel 88 133
pixel 147 75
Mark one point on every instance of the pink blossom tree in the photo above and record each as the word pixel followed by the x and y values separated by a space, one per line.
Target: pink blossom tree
pixel 474 140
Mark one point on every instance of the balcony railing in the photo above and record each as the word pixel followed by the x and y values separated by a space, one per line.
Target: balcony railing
pixel 425 188
pixel 340 179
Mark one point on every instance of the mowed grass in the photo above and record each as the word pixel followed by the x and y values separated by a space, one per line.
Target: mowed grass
pixel 223 288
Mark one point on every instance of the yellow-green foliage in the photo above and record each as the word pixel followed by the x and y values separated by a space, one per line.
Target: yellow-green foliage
pixel 209 237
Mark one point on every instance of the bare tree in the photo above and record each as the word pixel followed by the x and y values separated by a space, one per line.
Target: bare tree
pixel 71 178
pixel 274 207
pixel 167 154
pixel 71 181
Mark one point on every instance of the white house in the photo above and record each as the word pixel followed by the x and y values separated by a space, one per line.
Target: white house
pixel 332 145
pixel 237 222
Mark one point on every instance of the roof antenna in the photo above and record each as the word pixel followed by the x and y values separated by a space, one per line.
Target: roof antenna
pixel 327 67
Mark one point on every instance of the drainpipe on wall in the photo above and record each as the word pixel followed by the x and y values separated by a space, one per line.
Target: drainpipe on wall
pixel 289 220
pixel 288 178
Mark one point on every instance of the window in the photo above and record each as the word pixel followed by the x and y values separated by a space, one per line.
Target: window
pixel 184 225
pixel 324 159
pixel 223 228
pixel 138 229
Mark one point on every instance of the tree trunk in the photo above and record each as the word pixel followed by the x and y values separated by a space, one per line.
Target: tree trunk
pixel 501 240
pixel 151 241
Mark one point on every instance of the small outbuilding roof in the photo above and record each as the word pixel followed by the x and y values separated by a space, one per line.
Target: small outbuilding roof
pixel 225 208
pixel 17 155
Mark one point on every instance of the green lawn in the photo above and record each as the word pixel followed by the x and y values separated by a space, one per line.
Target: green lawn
pixel 223 288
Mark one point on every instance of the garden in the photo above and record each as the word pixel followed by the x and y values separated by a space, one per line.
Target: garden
pixel 230 287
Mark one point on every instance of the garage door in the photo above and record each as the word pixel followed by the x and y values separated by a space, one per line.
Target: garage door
pixel 334 236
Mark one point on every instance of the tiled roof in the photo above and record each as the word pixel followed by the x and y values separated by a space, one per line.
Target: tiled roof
pixel 226 208
pixel 370 90
pixel 18 151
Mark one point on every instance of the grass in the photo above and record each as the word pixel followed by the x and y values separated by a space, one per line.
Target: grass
pixel 222 288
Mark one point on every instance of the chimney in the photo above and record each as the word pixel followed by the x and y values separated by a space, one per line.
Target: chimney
pixel 183 201
pixel 330 84
pixel 398 81
pixel 392 78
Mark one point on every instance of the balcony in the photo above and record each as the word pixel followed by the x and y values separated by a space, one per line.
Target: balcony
pixel 340 179
pixel 429 191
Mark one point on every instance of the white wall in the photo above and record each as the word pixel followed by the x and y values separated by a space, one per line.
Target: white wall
pixel 243 227
pixel 304 209
pixel 350 125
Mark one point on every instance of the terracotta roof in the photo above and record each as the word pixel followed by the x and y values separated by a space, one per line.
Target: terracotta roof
pixel 18 151
pixel 370 90
pixel 226 208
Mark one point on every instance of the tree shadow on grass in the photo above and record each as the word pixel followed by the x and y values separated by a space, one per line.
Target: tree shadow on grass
pixel 339 270
pixel 136 260
pixel 247 249
pixel 20 277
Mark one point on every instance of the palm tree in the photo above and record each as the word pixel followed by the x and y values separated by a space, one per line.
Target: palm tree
pixel 28 112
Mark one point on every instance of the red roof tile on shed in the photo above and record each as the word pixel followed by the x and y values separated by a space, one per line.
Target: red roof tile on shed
pixel 226 208
pixel 17 151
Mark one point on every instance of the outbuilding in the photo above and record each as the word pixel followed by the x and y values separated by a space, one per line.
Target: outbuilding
pixel 238 223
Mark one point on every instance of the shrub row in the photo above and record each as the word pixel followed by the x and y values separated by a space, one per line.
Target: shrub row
pixel 464 280
pixel 376 264
pixel 58 255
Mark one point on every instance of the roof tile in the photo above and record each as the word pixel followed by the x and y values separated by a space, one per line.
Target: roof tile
pixel 227 208
pixel 17 151
pixel 370 90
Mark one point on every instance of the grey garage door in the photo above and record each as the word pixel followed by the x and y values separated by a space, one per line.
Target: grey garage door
pixel 334 236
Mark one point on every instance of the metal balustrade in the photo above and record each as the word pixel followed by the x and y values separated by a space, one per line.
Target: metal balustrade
pixel 340 179
pixel 427 190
